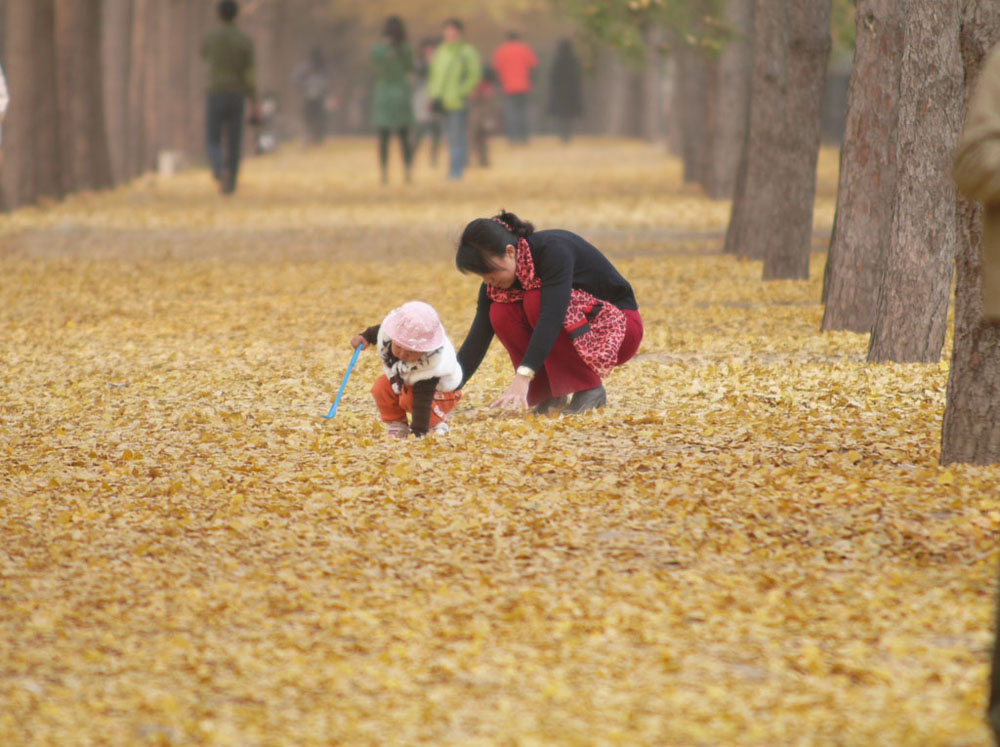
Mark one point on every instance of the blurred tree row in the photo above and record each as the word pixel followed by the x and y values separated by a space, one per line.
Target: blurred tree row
pixel 100 87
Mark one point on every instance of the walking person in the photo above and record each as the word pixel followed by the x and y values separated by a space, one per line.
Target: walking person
pixel 428 121
pixel 565 89
pixel 515 62
pixel 565 315
pixel 483 117
pixel 393 99
pixel 230 57
pixel 455 73
pixel 313 82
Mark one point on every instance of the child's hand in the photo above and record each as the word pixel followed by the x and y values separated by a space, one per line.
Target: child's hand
pixel 358 340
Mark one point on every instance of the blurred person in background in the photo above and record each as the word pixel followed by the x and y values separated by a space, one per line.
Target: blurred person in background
pixel 428 121
pixel 4 103
pixel 515 63
pixel 393 99
pixel 455 73
pixel 230 57
pixel 313 83
pixel 483 116
pixel 565 89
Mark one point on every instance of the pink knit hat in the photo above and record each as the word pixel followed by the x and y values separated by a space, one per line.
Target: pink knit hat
pixel 415 325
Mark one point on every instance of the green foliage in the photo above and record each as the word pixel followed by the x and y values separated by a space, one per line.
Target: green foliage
pixel 843 27
pixel 624 24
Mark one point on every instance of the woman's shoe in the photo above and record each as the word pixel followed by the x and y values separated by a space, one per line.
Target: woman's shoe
pixel 588 399
pixel 552 404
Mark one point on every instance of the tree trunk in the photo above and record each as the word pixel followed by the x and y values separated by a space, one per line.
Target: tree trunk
pixel 652 84
pixel 195 102
pixel 31 170
pixel 728 105
pixel 690 100
pixel 751 221
pixel 867 190
pixel 82 135
pixel 912 310
pixel 804 73
pixel 771 218
pixel 116 59
pixel 141 93
pixel 971 430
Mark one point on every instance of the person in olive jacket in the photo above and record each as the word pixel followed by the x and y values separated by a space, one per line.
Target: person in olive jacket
pixel 393 100
pixel 230 57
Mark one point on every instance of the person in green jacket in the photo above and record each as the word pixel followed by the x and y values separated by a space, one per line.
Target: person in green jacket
pixel 393 99
pixel 455 73
pixel 229 53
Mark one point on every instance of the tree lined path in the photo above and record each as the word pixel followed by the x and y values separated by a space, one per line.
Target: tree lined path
pixel 753 543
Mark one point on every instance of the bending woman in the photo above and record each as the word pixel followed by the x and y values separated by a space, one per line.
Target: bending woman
pixel 565 315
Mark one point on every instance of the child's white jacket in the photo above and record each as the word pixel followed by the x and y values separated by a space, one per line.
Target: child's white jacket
pixel 442 363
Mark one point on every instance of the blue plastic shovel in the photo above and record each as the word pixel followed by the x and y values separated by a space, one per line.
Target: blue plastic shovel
pixel 350 367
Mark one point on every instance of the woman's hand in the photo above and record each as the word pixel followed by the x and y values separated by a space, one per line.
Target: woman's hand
pixel 358 340
pixel 516 396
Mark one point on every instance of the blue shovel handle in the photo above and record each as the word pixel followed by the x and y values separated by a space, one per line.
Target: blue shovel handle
pixel 350 367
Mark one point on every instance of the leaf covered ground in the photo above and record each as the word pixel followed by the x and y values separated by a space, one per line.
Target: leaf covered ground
pixel 753 544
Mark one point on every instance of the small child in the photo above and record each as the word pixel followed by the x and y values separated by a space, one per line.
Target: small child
pixel 422 373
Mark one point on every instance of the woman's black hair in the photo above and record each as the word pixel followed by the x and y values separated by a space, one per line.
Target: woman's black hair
pixel 228 9
pixel 395 30
pixel 485 240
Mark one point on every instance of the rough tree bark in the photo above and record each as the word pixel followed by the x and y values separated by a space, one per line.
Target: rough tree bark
pixel 728 105
pixel 116 61
pixel 804 77
pixel 141 147
pixel 83 144
pixel 912 310
pixel 867 188
pixel 31 170
pixel 971 429
pixel 652 85
pixel 771 217
pixel 690 99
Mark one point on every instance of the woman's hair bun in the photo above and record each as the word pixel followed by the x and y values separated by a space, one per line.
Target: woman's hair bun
pixel 520 228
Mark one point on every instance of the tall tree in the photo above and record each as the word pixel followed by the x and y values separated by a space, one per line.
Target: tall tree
pixel 691 101
pixel 771 217
pixel 31 170
pixel 116 24
pixel 83 145
pixel 804 78
pixel 729 97
pixel 971 429
pixel 867 189
pixel 142 94
pixel 912 308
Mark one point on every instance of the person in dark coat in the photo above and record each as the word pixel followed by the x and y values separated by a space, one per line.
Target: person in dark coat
pixel 393 100
pixel 565 89
pixel 230 57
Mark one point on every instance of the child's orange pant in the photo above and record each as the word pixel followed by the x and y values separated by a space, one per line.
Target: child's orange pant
pixel 394 407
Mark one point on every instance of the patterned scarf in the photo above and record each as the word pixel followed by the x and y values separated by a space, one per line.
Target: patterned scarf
pixel 596 328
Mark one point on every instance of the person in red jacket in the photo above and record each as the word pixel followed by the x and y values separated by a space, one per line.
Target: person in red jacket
pixel 514 62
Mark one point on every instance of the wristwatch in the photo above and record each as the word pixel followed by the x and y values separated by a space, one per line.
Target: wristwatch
pixel 525 371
